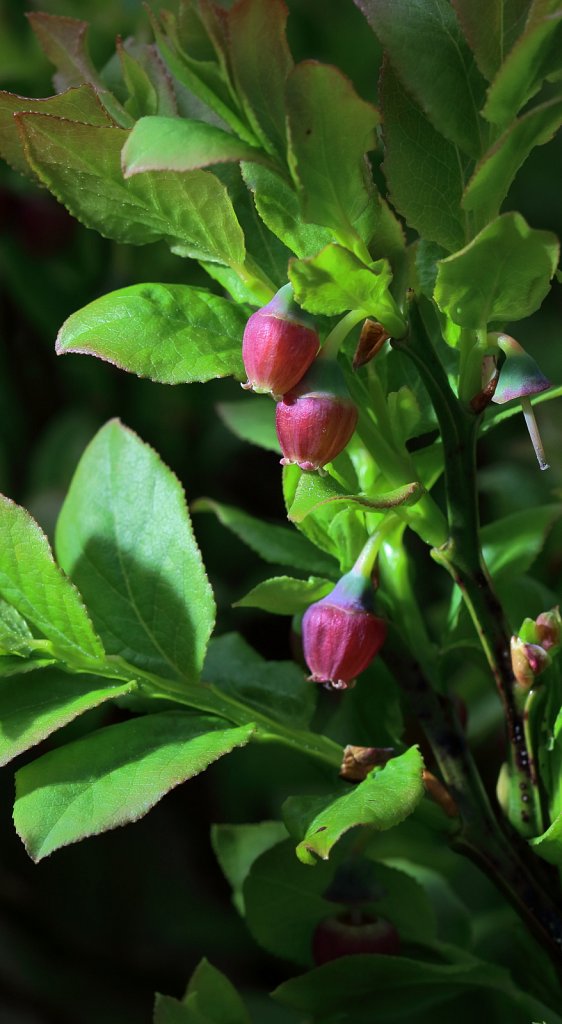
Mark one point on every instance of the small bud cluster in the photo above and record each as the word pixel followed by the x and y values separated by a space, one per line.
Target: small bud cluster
pixel 315 415
pixel 532 650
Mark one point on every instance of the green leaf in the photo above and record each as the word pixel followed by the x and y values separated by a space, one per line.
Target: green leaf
pixel 418 37
pixel 125 536
pixel 491 28
pixel 335 281
pixel 214 996
pixel 503 274
pixel 348 988
pixel 403 901
pixel 168 1010
pixel 267 257
pixel 276 544
pixel 171 333
pixel 494 174
pixel 423 169
pixel 178 144
pixel 64 41
pixel 81 166
pixel 78 104
pixel 39 591
pixel 114 776
pixel 251 420
pixel 510 545
pixel 315 492
pixel 150 89
pixel 536 54
pixel 382 800
pixel 250 290
pixel 330 131
pixel 283 595
pixel 236 848
pixel 31 711
pixel 317 525
pixel 261 61
pixel 15 635
pixel 284 901
pixel 16 665
pixel 275 688
pixel 190 54
pixel 278 206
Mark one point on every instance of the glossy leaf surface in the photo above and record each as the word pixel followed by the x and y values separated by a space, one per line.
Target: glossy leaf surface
pixel 171 333
pixel 81 166
pixel 77 104
pixel 32 582
pixel 330 131
pixel 383 800
pixel 124 534
pixel 114 776
pixel 178 144
pixel 335 281
pixel 418 36
pixel 423 170
pixel 283 595
pixel 31 710
pixel 503 274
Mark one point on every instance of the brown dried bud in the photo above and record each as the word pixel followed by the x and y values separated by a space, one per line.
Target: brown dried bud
pixel 437 792
pixel 371 340
pixel 359 761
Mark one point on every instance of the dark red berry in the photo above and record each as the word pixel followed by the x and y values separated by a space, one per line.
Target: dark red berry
pixel 279 344
pixel 353 933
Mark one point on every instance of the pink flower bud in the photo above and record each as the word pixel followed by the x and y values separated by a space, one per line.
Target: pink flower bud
pixel 549 628
pixel 353 933
pixel 527 661
pixel 316 419
pixel 279 344
pixel 341 634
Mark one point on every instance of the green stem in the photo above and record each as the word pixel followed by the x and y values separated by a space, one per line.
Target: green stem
pixel 504 858
pixel 425 517
pixel 337 336
pixel 258 285
pixel 473 346
pixel 209 698
pixel 461 556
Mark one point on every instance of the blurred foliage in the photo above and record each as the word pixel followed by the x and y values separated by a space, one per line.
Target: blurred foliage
pixel 91 934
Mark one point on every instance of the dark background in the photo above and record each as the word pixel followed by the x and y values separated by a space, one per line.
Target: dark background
pixel 92 932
